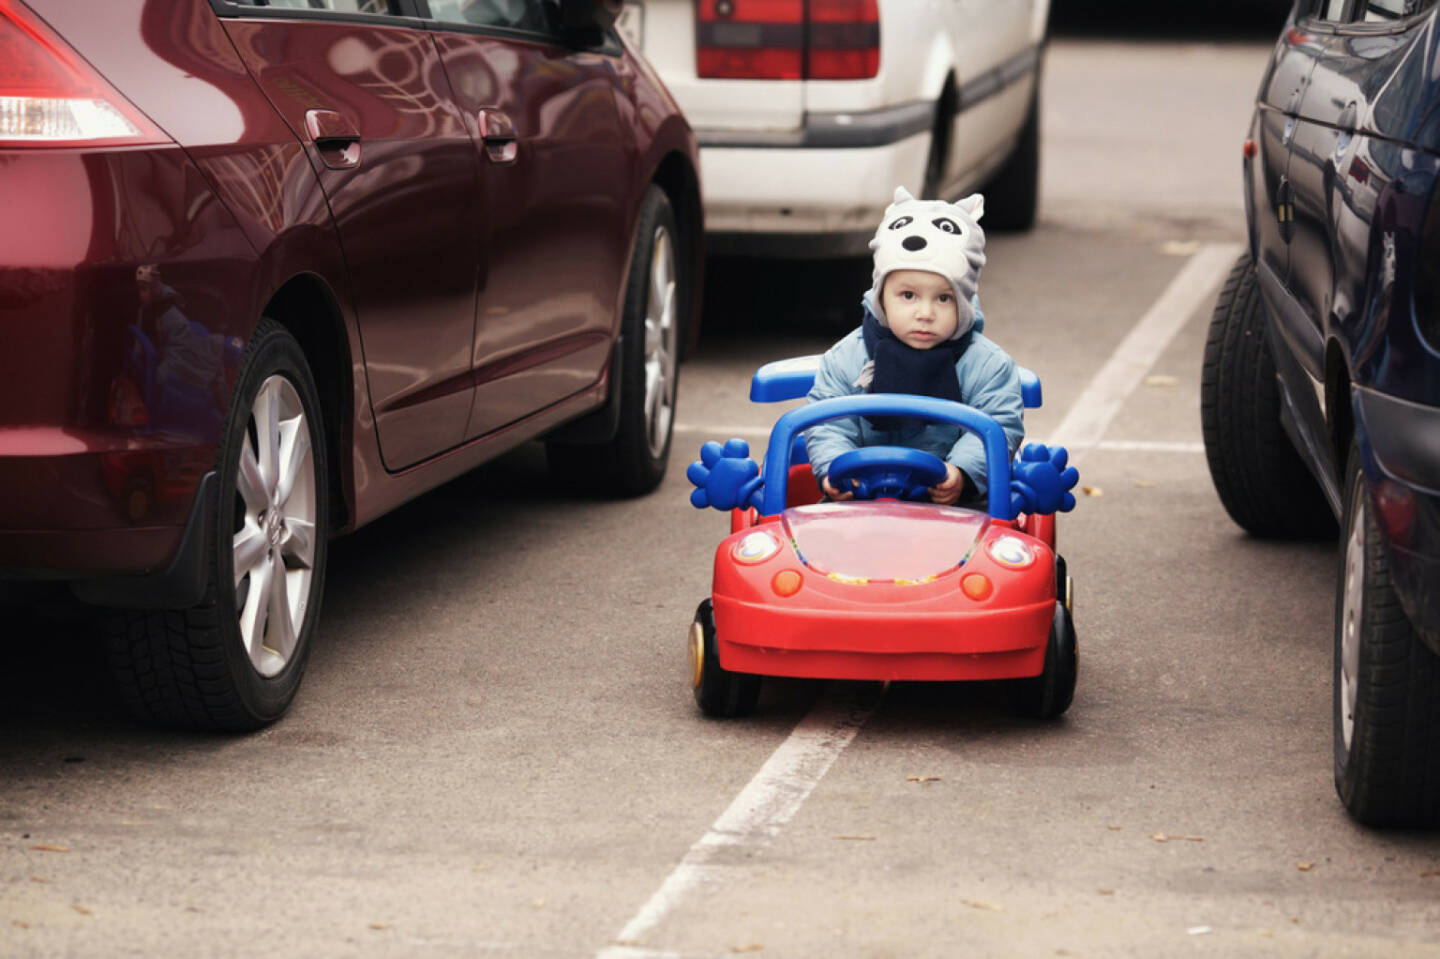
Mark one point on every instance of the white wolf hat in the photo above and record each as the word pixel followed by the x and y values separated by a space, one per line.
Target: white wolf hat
pixel 933 236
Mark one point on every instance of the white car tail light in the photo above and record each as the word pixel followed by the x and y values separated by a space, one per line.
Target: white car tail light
pixel 787 39
pixel 49 96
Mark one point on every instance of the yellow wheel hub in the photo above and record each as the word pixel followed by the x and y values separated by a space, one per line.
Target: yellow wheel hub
pixel 697 654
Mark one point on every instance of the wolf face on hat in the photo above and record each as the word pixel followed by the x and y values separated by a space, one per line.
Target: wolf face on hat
pixel 934 236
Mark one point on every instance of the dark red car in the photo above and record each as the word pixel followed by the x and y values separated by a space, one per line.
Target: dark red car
pixel 269 270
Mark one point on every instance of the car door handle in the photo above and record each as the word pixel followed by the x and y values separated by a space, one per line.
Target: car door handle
pixel 335 137
pixel 497 133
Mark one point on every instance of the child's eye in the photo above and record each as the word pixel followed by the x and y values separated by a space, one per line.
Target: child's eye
pixel 946 225
pixel 946 297
pixel 903 221
pixel 907 294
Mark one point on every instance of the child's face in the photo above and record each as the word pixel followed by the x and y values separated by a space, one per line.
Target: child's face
pixel 920 308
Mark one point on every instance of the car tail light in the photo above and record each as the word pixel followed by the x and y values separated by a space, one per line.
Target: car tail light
pixel 49 96
pixel 787 39
pixel 844 40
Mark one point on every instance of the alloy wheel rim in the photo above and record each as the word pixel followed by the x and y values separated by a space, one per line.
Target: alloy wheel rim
pixel 274 539
pixel 1351 609
pixel 660 343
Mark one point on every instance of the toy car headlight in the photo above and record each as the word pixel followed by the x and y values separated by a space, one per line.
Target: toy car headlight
pixel 1011 552
pixel 756 547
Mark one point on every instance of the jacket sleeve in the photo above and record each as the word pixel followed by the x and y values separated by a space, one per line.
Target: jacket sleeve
pixel 992 387
pixel 825 441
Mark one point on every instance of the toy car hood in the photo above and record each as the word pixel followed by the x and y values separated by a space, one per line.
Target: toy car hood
pixel 883 540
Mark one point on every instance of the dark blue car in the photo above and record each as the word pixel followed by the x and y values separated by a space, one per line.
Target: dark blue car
pixel 1321 386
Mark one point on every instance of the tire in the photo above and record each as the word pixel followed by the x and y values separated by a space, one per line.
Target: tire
pixel 235 660
pixel 1012 197
pixel 634 461
pixel 1262 482
pixel 718 692
pixel 1386 683
pixel 1048 695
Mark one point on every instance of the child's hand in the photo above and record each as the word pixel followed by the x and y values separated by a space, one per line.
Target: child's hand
pixel 834 493
pixel 949 491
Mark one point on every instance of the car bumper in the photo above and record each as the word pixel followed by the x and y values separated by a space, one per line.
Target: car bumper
pixel 923 645
pixel 1401 444
pixel 77 504
pixel 818 191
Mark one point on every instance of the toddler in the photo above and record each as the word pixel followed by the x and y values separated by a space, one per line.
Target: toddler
pixel 921 334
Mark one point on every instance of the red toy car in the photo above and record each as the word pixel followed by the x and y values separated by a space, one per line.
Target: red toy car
pixel 878 588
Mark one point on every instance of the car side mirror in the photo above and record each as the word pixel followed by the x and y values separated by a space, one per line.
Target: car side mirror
pixel 587 20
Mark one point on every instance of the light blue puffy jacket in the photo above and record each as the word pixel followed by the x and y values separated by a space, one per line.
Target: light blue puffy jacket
pixel 989 381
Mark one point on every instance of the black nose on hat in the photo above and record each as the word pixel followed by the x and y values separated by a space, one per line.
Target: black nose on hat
pixel 913 243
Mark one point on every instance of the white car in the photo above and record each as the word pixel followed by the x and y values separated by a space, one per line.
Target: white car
pixel 810 112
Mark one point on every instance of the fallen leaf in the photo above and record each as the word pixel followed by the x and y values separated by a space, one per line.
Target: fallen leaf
pixel 861 838
pixel 1304 866
pixel 1164 837
pixel 1162 380
pixel 922 779
pixel 1114 828
pixel 379 926
pixel 1106 892
pixel 51 848
pixel 82 910
pixel 1144 484
pixel 750 947
pixel 975 904
pixel 1430 873
pixel 40 879
pixel 537 903
pixel 1094 491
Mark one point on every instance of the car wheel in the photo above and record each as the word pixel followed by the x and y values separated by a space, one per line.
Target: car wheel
pixel 235 660
pixel 1261 480
pixel 634 461
pixel 1048 695
pixel 1012 197
pixel 718 691
pixel 1386 683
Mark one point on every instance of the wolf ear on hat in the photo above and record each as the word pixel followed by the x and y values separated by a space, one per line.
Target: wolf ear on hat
pixel 974 205
pixel 902 195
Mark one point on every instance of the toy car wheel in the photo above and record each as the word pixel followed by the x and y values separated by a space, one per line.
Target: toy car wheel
pixel 1386 683
pixel 718 691
pixel 234 661
pixel 1261 480
pixel 1048 695
pixel 634 460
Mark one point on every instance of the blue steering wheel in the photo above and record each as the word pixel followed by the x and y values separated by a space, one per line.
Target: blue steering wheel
pixel 887 472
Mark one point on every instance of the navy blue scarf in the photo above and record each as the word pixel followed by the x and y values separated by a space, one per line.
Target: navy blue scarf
pixel 903 369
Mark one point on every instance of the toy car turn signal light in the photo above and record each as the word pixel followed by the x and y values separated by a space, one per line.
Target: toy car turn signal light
pixel 786 583
pixel 977 586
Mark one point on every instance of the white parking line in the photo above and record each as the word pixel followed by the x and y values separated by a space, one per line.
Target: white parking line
pixel 758 813
pixel 1090 415
pixel 782 785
